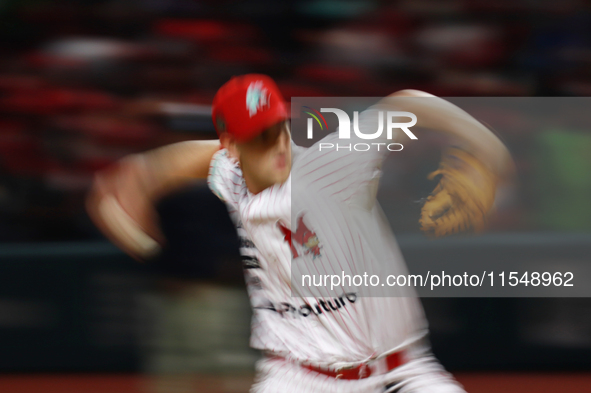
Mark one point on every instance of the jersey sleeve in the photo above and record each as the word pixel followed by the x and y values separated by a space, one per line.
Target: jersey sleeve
pixel 225 179
pixel 349 169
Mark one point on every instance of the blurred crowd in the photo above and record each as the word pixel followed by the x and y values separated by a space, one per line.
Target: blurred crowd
pixel 85 82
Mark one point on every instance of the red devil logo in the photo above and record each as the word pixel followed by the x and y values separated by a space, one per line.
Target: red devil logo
pixel 304 237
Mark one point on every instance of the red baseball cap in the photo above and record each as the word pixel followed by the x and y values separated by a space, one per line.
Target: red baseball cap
pixel 246 105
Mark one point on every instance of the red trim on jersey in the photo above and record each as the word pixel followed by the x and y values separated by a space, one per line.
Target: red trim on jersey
pixel 362 371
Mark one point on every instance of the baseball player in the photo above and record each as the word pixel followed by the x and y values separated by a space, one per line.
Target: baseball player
pixel 317 209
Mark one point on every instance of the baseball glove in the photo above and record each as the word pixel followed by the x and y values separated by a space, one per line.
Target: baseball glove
pixel 463 197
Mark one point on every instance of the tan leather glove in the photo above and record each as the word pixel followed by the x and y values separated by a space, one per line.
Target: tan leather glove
pixel 463 197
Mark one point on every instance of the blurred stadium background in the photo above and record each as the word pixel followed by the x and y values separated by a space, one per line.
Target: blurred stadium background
pixel 83 83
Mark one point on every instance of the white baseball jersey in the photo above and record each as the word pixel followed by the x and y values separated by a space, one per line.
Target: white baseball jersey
pixel 324 218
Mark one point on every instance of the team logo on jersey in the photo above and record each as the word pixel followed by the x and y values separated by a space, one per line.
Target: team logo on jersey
pixel 257 98
pixel 303 236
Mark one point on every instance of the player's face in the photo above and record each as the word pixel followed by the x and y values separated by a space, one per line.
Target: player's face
pixel 266 160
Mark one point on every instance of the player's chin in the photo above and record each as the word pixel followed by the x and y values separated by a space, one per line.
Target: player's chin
pixel 280 175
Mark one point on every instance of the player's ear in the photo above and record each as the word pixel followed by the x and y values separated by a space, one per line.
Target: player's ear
pixel 229 143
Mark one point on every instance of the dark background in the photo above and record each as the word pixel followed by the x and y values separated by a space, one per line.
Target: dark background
pixel 83 83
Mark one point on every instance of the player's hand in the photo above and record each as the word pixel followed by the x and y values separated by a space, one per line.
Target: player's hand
pixel 122 206
pixel 465 194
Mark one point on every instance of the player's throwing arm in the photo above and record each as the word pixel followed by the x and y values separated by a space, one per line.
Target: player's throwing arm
pixel 122 198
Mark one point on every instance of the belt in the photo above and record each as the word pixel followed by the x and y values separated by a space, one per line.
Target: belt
pixel 365 370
